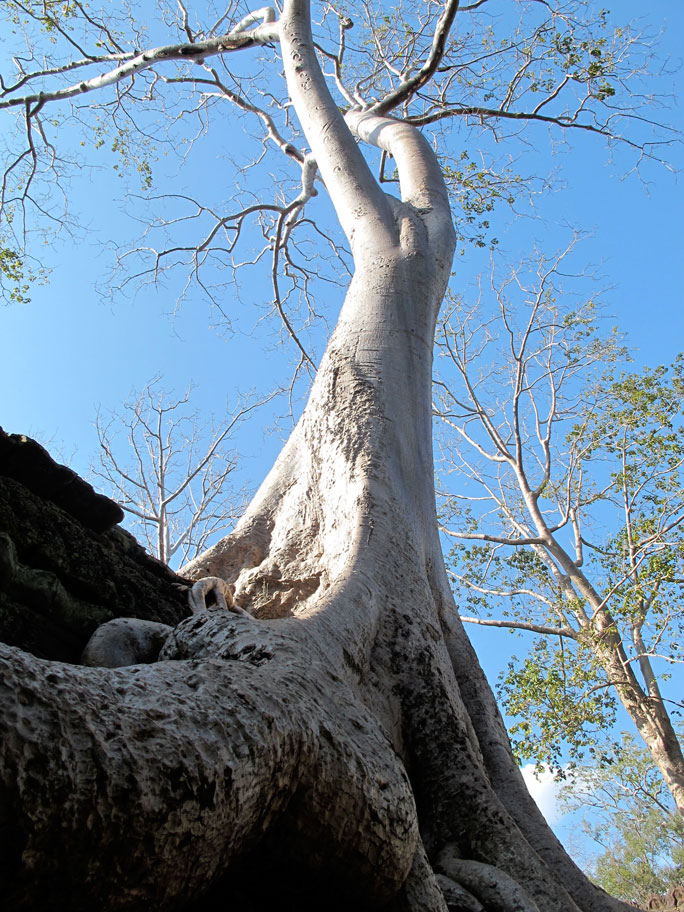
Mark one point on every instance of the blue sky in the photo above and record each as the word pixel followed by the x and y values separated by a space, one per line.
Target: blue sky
pixel 68 353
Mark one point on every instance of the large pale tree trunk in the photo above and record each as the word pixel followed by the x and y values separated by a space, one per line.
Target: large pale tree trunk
pixel 341 745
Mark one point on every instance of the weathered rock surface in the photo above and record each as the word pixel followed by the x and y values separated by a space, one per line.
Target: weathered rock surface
pixel 65 565
pixel 672 900
pixel 26 461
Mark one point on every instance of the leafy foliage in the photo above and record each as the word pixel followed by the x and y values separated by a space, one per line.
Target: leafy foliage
pixel 16 275
pixel 570 523
pixel 631 439
pixel 477 190
pixel 629 813
pixel 562 701
pixel 12 281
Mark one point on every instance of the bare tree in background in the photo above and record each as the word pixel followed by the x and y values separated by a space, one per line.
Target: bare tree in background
pixel 170 471
pixel 566 498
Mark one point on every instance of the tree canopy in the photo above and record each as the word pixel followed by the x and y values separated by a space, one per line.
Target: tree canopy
pixel 570 516
pixel 95 88
pixel 628 812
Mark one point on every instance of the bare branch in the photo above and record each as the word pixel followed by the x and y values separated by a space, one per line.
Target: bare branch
pixel 170 475
pixel 195 52
pixel 410 86
pixel 522 625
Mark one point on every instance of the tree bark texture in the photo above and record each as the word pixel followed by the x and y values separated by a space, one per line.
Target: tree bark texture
pixel 341 743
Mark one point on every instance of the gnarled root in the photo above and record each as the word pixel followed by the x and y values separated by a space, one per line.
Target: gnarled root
pixel 457 898
pixel 132 641
pixel 219 590
pixel 422 891
pixel 494 889
pixel 213 753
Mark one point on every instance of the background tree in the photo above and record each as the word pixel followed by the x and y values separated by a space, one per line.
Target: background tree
pixel 170 472
pixel 571 521
pixel 628 811
pixel 337 731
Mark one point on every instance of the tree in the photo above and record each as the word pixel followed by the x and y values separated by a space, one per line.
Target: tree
pixel 342 737
pixel 572 524
pixel 633 819
pixel 170 476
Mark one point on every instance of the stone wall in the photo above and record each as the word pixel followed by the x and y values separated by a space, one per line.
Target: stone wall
pixel 65 564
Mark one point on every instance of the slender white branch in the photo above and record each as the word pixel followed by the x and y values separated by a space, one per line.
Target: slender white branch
pixel 522 625
pixel 494 539
pixel 197 51
pixel 412 85
pixel 266 15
